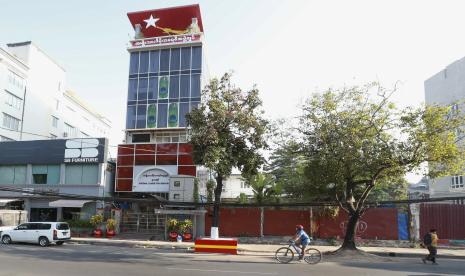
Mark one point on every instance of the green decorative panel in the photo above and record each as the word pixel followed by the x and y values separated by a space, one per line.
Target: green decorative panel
pixel 173 115
pixel 152 116
pixel 163 87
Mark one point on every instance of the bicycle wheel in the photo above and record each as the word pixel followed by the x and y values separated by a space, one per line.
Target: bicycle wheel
pixel 313 256
pixel 284 255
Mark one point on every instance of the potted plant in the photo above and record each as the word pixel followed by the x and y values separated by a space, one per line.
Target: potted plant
pixel 173 229
pixel 96 221
pixel 187 230
pixel 111 224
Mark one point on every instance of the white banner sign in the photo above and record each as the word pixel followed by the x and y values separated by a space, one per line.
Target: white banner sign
pixel 152 180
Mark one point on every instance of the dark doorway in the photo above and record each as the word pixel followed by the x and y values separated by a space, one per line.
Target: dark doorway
pixel 43 214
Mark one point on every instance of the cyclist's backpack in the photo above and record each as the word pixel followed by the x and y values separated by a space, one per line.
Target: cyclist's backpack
pixel 427 240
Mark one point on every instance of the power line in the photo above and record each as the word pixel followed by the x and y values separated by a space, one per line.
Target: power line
pixel 53 138
pixel 164 202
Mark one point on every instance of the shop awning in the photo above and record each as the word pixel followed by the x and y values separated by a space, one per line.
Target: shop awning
pixel 4 201
pixel 68 203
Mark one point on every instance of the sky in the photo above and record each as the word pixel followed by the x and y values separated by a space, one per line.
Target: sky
pixel 289 49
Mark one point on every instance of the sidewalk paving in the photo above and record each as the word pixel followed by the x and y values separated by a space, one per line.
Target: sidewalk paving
pixel 269 249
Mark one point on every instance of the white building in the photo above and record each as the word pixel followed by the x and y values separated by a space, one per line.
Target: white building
pixel 34 102
pixel 447 88
pixel 233 186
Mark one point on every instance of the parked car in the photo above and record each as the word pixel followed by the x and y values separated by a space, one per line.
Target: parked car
pixel 42 233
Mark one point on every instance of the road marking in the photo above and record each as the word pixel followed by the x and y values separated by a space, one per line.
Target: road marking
pixel 223 271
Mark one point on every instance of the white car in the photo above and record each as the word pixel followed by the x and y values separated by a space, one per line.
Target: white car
pixel 42 233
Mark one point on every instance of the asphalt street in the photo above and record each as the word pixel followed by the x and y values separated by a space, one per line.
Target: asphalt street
pixel 77 259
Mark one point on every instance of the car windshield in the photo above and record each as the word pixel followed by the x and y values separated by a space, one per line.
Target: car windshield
pixel 62 226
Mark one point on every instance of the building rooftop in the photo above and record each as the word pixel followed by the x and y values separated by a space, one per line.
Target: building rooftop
pixel 26 43
pixel 75 98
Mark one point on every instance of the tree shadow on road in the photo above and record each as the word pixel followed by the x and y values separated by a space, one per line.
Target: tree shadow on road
pixel 73 253
pixel 414 265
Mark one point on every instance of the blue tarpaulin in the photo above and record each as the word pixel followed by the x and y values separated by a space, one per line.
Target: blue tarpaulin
pixel 402 226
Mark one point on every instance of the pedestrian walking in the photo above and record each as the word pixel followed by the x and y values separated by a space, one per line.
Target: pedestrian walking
pixel 430 240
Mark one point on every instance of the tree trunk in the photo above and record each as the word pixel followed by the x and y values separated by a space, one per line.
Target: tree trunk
pixel 351 230
pixel 216 204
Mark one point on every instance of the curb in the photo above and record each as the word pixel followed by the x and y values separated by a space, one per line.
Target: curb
pixel 187 248
pixel 133 245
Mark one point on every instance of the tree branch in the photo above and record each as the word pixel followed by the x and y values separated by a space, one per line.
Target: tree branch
pixel 340 204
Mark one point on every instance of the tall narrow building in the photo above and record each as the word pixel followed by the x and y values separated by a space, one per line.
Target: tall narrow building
pixel 447 88
pixel 164 84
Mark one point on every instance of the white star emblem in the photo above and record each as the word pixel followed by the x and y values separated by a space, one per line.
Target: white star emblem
pixel 151 21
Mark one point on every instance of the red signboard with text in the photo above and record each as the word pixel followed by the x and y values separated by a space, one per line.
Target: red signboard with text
pixel 167 22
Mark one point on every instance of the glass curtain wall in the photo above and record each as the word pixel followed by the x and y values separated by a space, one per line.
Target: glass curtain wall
pixel 164 85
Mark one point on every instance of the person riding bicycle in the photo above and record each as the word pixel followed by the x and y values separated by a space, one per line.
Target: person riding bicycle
pixel 301 238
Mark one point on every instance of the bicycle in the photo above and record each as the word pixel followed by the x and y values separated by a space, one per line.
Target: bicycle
pixel 285 255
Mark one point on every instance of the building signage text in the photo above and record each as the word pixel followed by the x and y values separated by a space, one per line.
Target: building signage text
pixel 166 40
pixel 152 180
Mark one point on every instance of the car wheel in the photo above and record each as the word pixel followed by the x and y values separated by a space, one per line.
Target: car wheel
pixel 43 241
pixel 59 243
pixel 6 239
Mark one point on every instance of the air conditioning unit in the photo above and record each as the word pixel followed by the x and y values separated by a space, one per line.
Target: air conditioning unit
pixel 65 134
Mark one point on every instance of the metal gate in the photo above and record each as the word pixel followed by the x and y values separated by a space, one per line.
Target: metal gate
pixel 144 223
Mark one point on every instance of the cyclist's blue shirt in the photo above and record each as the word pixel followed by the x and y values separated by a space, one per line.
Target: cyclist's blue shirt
pixel 303 236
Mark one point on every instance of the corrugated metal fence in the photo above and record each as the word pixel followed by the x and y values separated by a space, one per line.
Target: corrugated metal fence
pixel 448 219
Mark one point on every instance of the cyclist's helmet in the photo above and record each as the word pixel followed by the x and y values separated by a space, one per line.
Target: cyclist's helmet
pixel 299 226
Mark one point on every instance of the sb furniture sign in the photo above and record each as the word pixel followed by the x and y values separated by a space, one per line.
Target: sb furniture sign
pixel 57 151
pixel 82 151
pixel 152 180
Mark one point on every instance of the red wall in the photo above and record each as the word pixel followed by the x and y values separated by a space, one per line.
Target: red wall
pixel 380 223
pixel 283 222
pixel 235 222
pixel 447 219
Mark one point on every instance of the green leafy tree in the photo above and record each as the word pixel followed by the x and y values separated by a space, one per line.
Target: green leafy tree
pixel 227 132
pixel 264 187
pixel 196 190
pixel 356 140
pixel 389 188
pixel 242 198
pixel 287 165
pixel 211 184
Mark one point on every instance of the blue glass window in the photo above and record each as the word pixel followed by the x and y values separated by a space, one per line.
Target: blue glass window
pixel 183 110
pixel 131 117
pixel 165 60
pixel 141 115
pixel 175 59
pixel 185 58
pixel 144 62
pixel 195 86
pixel 196 58
pixel 174 87
pixel 184 86
pixel 134 63
pixel 142 91
pixel 153 88
pixel 132 90
pixel 162 115
pixel 154 61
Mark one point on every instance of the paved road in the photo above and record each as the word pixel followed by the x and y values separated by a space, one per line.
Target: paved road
pixel 75 259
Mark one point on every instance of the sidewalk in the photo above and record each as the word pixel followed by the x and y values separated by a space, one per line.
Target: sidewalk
pixel 269 249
